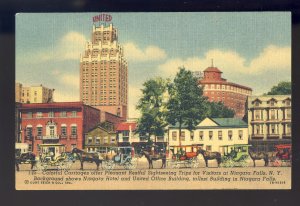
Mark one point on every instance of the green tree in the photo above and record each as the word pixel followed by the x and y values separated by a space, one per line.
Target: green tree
pixel 152 107
pixel 186 105
pixel 281 88
pixel 219 110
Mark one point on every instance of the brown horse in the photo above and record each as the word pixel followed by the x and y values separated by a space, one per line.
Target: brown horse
pixel 87 157
pixel 153 157
pixel 210 156
pixel 258 156
pixel 25 158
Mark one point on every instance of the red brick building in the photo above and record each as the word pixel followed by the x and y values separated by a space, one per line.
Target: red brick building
pixel 63 123
pixel 111 118
pixel 218 89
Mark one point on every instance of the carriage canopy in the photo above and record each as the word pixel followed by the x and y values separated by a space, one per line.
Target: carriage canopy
pixel 56 149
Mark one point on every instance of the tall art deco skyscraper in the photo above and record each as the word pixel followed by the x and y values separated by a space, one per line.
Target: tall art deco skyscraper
pixel 104 72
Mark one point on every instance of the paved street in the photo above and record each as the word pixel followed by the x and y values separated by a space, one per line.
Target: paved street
pixel 142 164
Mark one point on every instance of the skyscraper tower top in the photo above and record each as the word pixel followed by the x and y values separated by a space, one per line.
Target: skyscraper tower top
pixel 104 34
pixel 104 73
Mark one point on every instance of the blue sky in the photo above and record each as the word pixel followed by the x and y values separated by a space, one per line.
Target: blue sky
pixel 252 49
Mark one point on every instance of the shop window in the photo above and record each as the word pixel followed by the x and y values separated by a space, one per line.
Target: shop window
pixel 63 114
pixel 210 134
pixel 28 132
pixel 39 115
pixel 174 136
pixel 257 114
pixel 39 131
pixel 97 140
pixel 230 135
pixel 182 136
pixel 220 135
pixel 201 135
pixel 74 131
pixel 272 115
pixel 125 133
pixel 288 113
pixel 74 113
pixel 29 115
pixel 288 128
pixel 51 114
pixel 192 136
pixel 240 134
pixel 63 131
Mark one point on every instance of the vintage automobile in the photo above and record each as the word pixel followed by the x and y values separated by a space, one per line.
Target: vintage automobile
pixel 53 156
pixel 282 156
pixel 184 155
pixel 120 156
pixel 236 155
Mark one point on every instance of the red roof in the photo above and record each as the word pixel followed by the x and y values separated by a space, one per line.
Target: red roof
pixel 53 105
pixel 212 69
pixel 126 126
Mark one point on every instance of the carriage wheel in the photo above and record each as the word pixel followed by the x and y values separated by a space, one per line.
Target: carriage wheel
pixel 108 165
pixel 60 165
pixel 277 163
pixel 38 165
pixel 174 164
pixel 244 163
pixel 131 164
pixel 229 163
pixel 68 164
pixel 188 163
pixel 226 162
pixel 45 166
pixel 195 162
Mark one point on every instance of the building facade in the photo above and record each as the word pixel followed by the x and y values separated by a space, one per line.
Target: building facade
pixel 211 133
pixel 104 72
pixel 218 89
pixel 99 137
pixel 126 133
pixel 126 136
pixel 33 94
pixel 17 123
pixel 56 123
pixel 269 120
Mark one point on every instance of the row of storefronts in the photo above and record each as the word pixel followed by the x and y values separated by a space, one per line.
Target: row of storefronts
pixel 75 124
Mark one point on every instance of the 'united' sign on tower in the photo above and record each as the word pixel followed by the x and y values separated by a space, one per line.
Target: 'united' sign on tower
pixel 104 72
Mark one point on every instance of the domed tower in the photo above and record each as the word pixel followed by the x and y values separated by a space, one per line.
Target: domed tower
pixel 217 89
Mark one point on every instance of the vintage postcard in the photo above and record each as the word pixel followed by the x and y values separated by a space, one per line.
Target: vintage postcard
pixel 153 101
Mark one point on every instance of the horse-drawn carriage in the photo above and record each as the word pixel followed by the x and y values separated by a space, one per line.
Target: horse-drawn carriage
pixel 23 155
pixel 153 152
pixel 24 158
pixel 186 156
pixel 236 155
pixel 121 156
pixel 282 155
pixel 53 156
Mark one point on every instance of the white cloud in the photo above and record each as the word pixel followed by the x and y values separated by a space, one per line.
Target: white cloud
pixel 55 72
pixel 150 53
pixel 70 80
pixel 70 46
pixel 134 95
pixel 60 96
pixel 272 57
